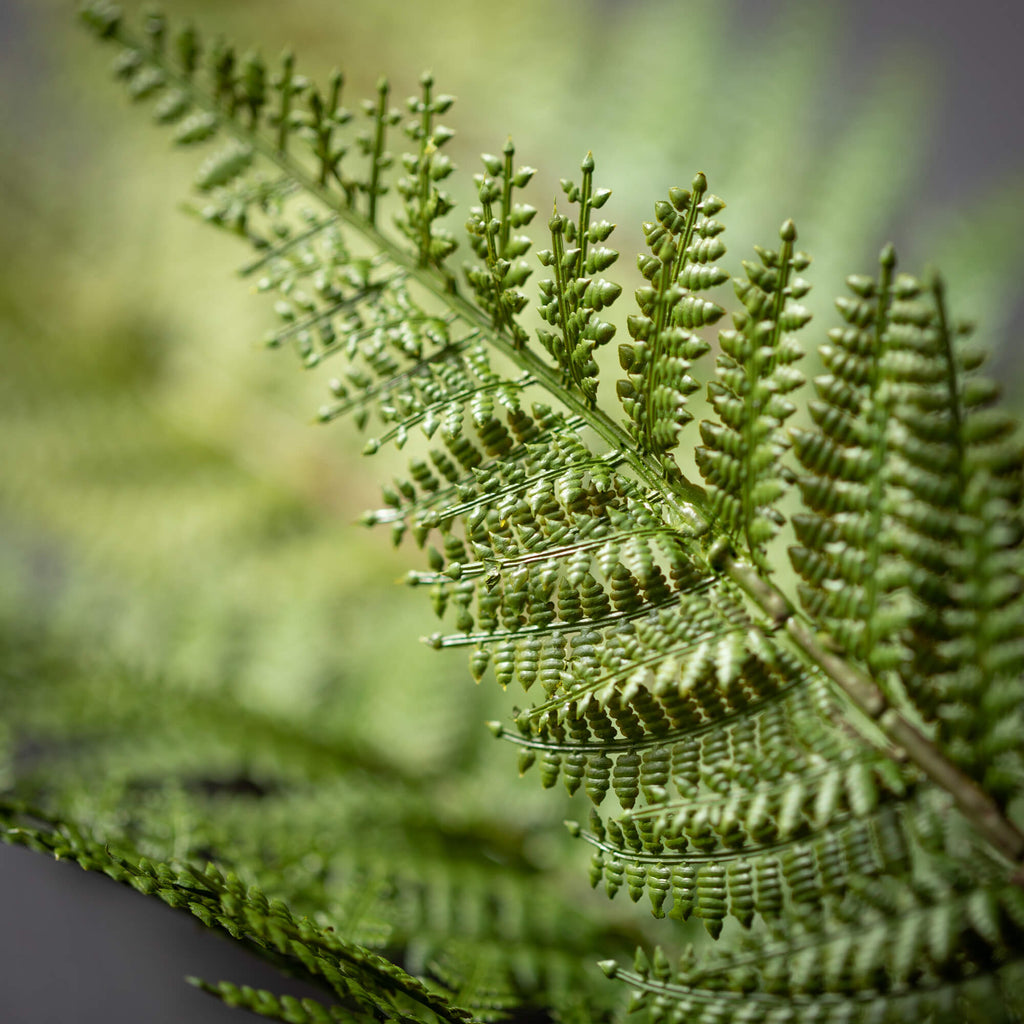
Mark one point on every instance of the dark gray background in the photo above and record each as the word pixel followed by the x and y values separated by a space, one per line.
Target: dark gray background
pixel 76 947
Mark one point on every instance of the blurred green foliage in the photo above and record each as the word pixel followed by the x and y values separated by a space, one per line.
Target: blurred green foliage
pixel 182 594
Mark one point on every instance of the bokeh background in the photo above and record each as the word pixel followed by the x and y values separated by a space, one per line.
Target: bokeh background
pixel 165 504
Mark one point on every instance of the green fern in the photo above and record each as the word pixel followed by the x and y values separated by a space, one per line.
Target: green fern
pixel 833 793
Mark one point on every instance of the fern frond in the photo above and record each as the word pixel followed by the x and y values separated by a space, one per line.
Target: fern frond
pixel 893 950
pixel 338 835
pixel 773 770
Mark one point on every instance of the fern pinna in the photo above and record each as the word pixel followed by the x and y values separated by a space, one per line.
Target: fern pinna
pixel 829 784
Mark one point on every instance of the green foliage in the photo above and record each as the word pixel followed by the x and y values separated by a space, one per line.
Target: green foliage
pixel 369 986
pixel 742 460
pixel 834 794
pixel 177 787
pixel 571 300
pixel 490 231
pixel 684 247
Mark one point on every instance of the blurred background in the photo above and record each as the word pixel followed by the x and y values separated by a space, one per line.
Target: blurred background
pixel 165 504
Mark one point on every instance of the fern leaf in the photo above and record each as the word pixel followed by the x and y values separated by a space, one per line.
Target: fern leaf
pixel 425 202
pixel 851 579
pixel 962 464
pixel 742 453
pixel 572 300
pixel 685 243
pixel 266 1004
pixel 492 238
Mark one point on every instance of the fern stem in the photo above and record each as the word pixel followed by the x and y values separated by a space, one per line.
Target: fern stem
pixel 506 198
pixel 423 167
pixel 286 246
pixel 287 69
pixel 879 416
pixel 586 191
pixel 383 88
pixel 954 376
pixel 558 246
